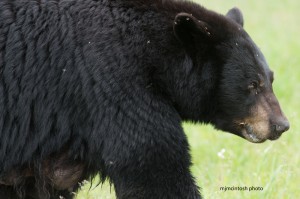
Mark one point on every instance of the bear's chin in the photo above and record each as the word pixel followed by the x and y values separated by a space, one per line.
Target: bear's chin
pixel 248 134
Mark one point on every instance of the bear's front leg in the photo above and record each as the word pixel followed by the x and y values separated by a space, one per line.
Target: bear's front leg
pixel 150 163
pixel 155 184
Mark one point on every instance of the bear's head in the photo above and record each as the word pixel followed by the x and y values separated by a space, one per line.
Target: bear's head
pixel 244 102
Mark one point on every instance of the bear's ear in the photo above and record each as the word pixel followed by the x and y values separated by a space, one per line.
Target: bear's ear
pixel 236 15
pixel 187 28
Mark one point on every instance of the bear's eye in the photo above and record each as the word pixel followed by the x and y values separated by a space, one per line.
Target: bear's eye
pixel 253 86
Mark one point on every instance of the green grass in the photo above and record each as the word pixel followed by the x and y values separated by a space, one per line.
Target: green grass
pixel 274 26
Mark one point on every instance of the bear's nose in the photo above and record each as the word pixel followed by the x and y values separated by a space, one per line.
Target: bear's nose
pixel 281 126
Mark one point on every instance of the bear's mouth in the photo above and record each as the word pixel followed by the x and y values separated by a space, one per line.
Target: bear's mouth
pixel 248 134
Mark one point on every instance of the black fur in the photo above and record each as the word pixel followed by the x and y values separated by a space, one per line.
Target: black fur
pixel 108 83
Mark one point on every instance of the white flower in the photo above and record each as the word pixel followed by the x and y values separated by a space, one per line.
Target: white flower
pixel 221 153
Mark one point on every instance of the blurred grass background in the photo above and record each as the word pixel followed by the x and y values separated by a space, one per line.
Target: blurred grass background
pixel 222 159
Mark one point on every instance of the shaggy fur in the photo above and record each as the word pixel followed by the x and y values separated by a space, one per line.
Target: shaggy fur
pixel 90 87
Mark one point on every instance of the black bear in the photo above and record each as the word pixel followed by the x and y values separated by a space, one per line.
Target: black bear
pixel 93 87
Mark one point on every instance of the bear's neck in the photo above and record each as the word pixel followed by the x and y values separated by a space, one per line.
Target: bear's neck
pixel 190 87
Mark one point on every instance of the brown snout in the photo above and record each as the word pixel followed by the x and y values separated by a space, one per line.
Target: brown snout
pixel 266 121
